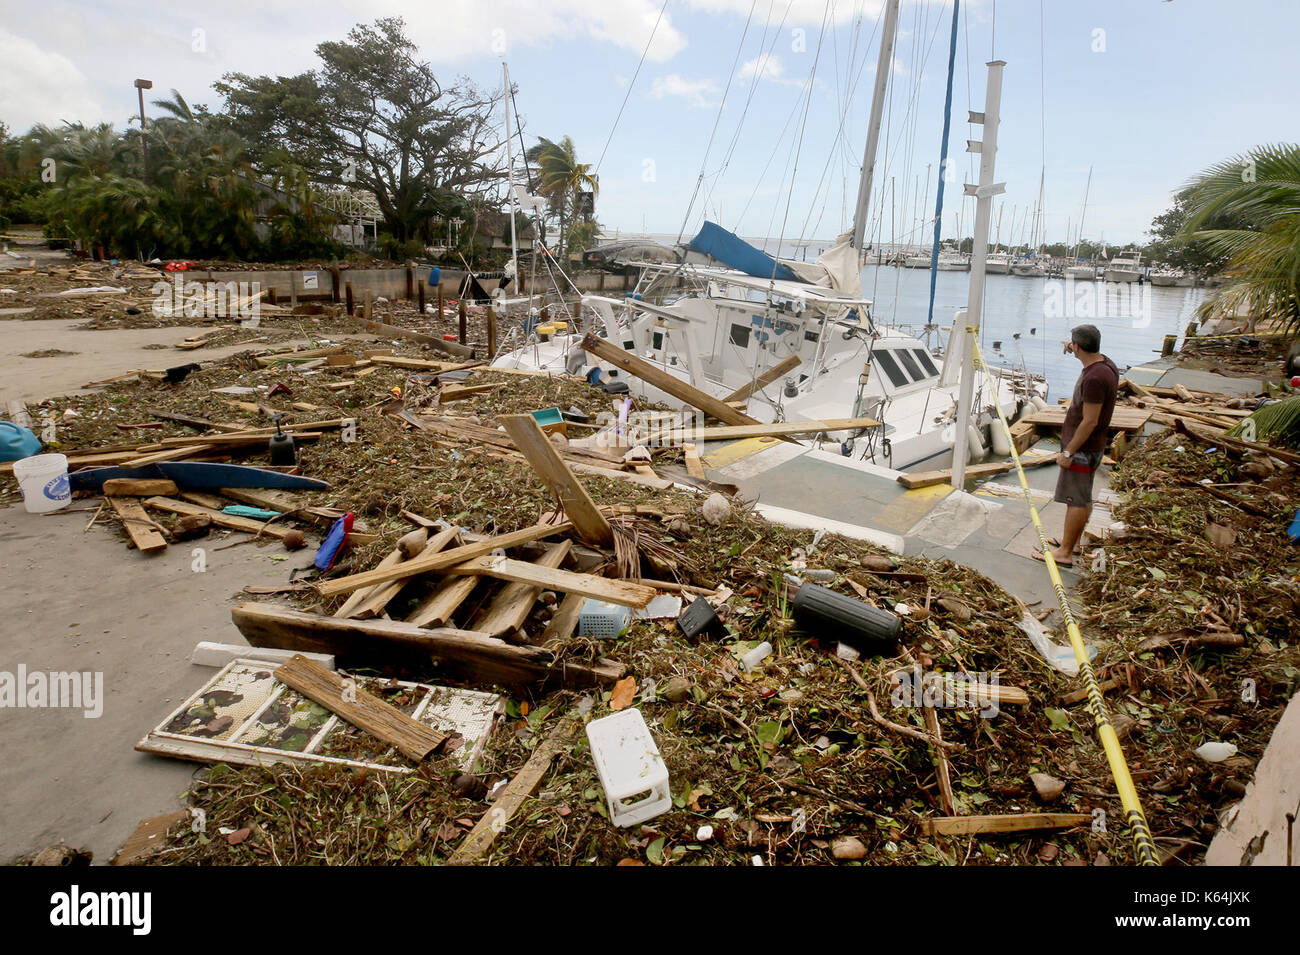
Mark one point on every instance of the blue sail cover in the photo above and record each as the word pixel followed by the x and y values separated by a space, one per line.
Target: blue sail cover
pixel 730 249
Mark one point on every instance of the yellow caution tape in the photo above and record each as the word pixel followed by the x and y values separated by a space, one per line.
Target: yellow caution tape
pixel 1119 770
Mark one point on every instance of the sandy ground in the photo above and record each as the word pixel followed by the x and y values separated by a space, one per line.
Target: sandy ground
pixel 99 355
pixel 75 601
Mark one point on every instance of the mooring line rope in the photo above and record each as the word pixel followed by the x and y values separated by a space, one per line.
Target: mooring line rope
pixel 1119 770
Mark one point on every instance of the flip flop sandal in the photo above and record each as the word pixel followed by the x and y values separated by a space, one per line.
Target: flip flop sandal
pixel 1038 556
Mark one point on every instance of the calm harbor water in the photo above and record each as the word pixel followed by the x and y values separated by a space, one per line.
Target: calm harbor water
pixel 1133 319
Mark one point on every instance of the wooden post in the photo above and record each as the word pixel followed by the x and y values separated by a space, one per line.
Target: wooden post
pixel 464 320
pixel 271 297
pixel 420 290
pixel 491 332
pixel 293 289
pixel 410 283
pixel 1167 348
pixel 348 289
pixel 369 314
pixel 336 282
pixel 440 301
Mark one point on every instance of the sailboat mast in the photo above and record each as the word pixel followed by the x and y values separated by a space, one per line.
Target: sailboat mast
pixel 1078 241
pixel 510 182
pixel 873 129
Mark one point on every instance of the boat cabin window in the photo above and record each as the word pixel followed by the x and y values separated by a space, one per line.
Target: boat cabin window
pixel 905 367
pixel 740 335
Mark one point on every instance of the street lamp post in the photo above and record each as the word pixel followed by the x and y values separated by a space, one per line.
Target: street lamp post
pixel 140 87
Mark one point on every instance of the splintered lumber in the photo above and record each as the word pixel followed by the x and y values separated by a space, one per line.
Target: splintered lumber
pixel 510 608
pixel 778 429
pixel 612 353
pixel 307 355
pixel 171 454
pixel 440 561
pixel 450 393
pixel 436 609
pixel 413 739
pixel 602 588
pixel 420 364
pixel 149 837
pixel 1281 454
pixel 141 529
pixel 232 437
pixel 218 517
pixel 550 467
pixel 564 621
pixel 1123 419
pixel 694 466
pixel 138 487
pixel 763 380
pixel 283 502
pixel 1012 822
pixel 917 479
pixel 509 800
pixel 396 331
pixel 374 600
pixel 631 477
pixel 476 656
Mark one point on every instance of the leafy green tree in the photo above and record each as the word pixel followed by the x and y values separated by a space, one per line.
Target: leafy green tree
pixel 1247 210
pixel 374 117
pixel 1190 255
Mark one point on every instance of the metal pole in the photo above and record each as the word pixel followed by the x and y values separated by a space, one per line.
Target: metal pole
pixel 984 193
pixel 873 130
pixel 510 183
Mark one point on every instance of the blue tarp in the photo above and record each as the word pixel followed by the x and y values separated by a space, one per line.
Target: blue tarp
pixel 730 249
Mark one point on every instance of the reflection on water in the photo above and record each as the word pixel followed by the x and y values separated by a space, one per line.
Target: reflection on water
pixel 1133 320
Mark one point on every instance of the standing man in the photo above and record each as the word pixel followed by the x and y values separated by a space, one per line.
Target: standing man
pixel 1083 437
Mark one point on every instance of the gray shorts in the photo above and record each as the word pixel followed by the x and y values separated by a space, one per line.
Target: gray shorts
pixel 1074 488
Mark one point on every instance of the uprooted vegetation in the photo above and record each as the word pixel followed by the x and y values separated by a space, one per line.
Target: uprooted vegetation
pixel 788 762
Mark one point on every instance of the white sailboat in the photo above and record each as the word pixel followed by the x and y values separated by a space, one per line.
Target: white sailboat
pixel 738 320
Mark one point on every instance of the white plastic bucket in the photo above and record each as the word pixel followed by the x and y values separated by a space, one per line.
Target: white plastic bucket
pixel 44 482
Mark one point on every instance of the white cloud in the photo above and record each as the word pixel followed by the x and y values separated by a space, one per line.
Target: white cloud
pixel 697 93
pixel 40 86
pixel 766 66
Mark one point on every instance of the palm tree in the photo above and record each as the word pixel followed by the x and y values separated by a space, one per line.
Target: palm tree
pixel 1247 209
pixel 561 178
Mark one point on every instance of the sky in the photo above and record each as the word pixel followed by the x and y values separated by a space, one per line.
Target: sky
pixel 754 112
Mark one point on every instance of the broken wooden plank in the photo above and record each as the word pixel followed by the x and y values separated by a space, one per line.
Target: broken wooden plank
pixel 665 382
pixel 373 642
pixel 430 562
pixel 509 800
pixel 171 454
pixel 141 529
pixel 149 836
pixel 1023 436
pixel 436 609
pixel 1123 419
pixel 777 429
pixel 762 381
pixel 631 477
pixel 450 393
pixel 602 588
pixel 375 600
pixel 433 341
pixel 510 608
pixel 1012 822
pixel 309 354
pixel 917 479
pixel 694 466
pixel 550 467
pixel 415 740
pixel 139 487
pixel 260 528
pixel 563 623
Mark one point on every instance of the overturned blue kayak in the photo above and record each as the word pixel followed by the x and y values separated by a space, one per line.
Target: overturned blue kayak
pixel 198 476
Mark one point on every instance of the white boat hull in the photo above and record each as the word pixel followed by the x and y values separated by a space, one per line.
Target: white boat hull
pixel 1122 275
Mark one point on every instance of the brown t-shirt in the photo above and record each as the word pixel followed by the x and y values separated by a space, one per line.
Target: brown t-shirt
pixel 1097 385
